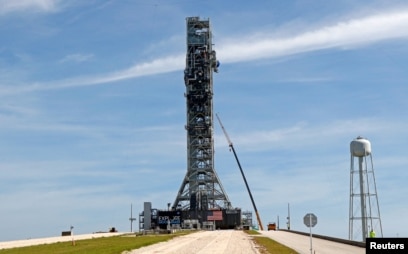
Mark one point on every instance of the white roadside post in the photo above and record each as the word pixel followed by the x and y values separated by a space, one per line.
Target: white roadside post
pixel 310 220
pixel 72 236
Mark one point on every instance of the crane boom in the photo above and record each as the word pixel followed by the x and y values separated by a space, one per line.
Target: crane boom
pixel 225 132
pixel 242 172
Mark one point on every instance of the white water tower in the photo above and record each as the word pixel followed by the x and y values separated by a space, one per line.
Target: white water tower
pixel 364 214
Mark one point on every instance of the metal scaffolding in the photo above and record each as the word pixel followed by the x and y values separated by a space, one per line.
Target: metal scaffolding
pixel 201 188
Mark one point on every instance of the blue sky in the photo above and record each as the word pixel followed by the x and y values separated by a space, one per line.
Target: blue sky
pixel 92 111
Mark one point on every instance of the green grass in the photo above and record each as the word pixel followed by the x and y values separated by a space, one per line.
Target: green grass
pixel 269 246
pixel 105 245
pixel 252 232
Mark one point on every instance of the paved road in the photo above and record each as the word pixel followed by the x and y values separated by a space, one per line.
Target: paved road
pixel 301 244
pixel 204 242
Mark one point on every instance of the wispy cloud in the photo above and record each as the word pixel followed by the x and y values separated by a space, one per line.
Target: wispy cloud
pixel 77 58
pixel 158 66
pixel 351 33
pixel 303 134
pixel 9 6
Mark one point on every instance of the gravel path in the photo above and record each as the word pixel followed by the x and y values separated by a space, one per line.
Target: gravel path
pixel 204 242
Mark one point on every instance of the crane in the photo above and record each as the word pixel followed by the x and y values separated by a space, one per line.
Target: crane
pixel 242 172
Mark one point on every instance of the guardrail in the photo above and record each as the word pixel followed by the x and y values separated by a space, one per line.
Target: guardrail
pixel 334 239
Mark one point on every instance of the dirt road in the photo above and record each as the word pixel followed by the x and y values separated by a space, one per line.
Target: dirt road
pixel 204 242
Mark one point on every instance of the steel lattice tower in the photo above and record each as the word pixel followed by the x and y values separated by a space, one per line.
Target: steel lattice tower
pixel 364 213
pixel 201 188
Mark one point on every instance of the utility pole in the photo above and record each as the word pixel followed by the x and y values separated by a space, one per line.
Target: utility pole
pixel 288 223
pixel 131 218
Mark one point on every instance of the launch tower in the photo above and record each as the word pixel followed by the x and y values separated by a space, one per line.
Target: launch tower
pixel 201 189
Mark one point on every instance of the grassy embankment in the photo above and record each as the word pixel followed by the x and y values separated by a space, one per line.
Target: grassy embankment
pixel 269 246
pixel 104 245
